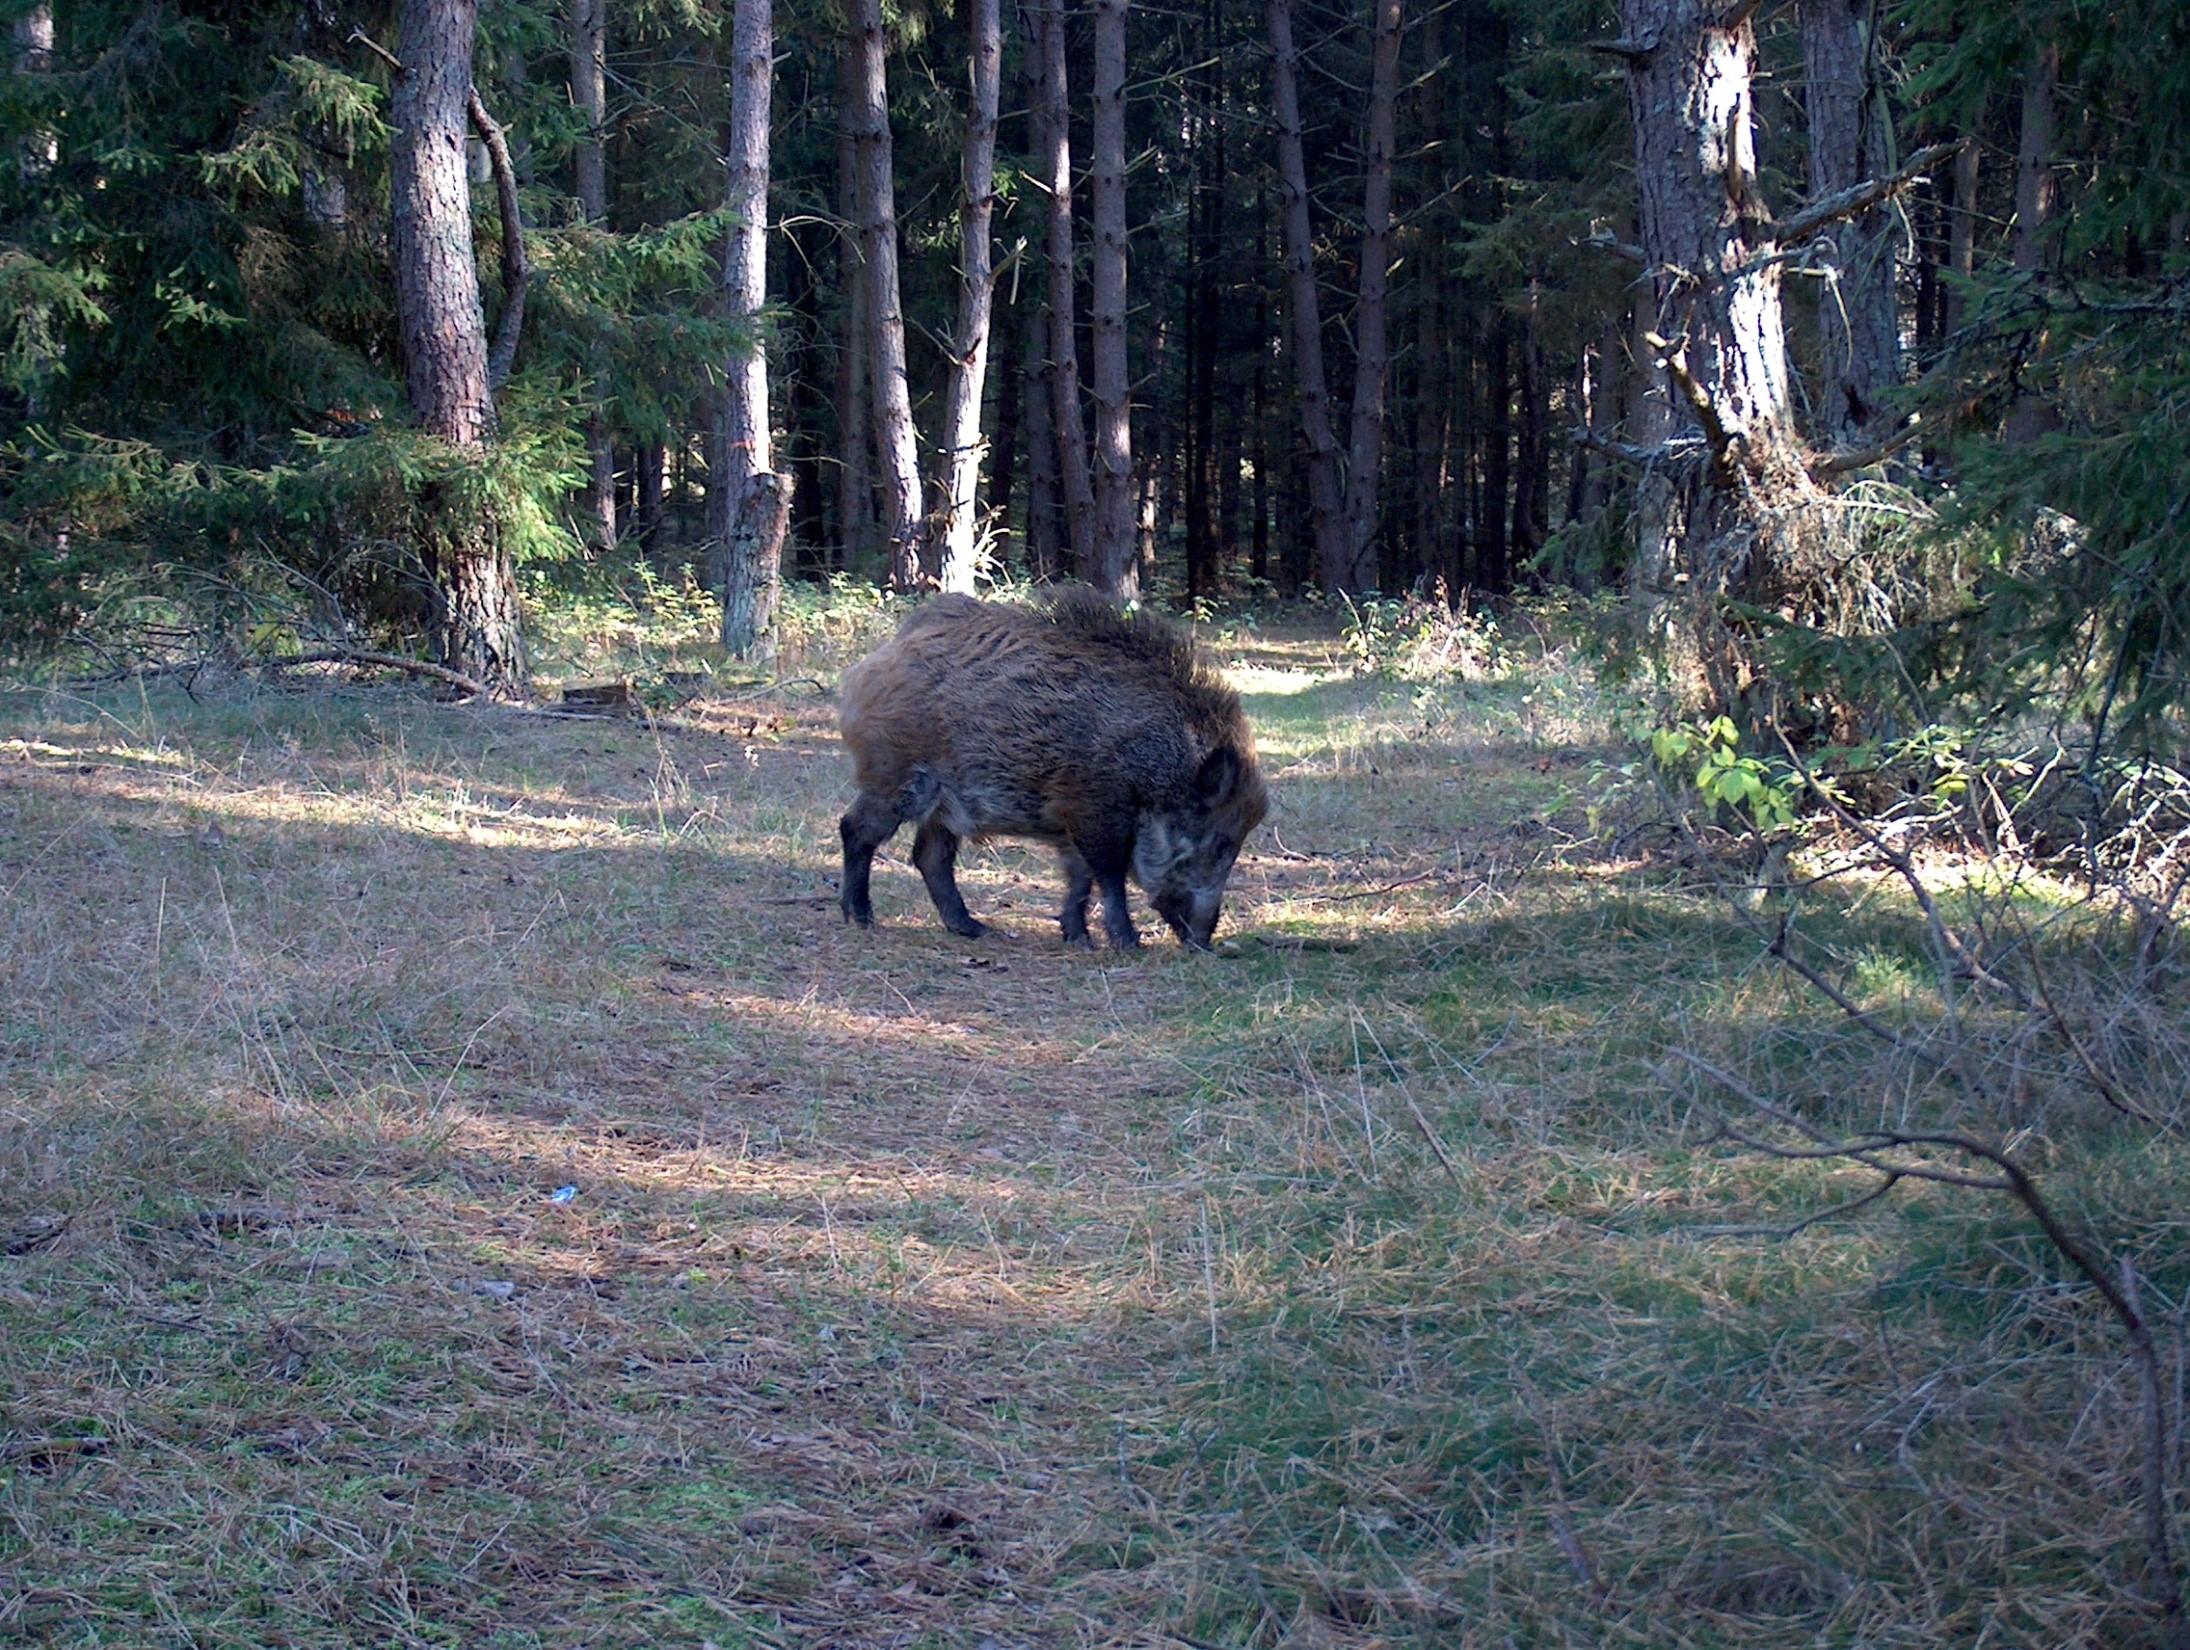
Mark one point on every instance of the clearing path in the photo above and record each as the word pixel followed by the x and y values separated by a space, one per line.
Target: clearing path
pixel 461 1184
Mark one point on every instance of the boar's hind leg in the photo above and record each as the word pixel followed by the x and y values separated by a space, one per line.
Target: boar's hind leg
pixel 935 851
pixel 871 822
pixel 1079 883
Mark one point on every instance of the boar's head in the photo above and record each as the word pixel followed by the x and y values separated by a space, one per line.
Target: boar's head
pixel 1183 853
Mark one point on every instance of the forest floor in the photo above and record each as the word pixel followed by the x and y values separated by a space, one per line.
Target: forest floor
pixel 460 1183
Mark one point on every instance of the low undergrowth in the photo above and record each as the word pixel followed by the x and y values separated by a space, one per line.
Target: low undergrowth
pixel 460 1184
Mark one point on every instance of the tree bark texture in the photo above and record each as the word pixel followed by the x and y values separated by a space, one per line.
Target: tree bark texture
pixel 589 96
pixel 855 427
pixel 2031 417
pixel 962 445
pixel 1045 538
pixel 2034 158
pixel 753 556
pixel 1492 540
pixel 1859 325
pixel 589 181
pixel 437 276
pixel 1053 127
pixel 1717 313
pixel 1532 446
pixel 1325 506
pixel 1003 454
pixel 1365 455
pixel 897 447
pixel 744 449
pixel 1116 564
pixel 1962 229
pixel 477 626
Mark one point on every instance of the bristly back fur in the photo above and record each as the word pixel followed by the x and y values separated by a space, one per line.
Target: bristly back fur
pixel 1089 616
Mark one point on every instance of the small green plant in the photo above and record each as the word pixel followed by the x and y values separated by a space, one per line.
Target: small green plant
pixel 1758 792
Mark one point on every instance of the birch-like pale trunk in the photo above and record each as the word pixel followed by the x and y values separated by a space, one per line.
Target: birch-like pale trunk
pixel 962 444
pixel 1116 565
pixel 1325 505
pixel 477 628
pixel 744 454
pixel 897 448
pixel 34 39
pixel 589 181
pixel 1053 123
pixel 1365 458
pixel 41 152
pixel 1859 324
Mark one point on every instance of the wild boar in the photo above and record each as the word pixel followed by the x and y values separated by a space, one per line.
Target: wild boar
pixel 1106 735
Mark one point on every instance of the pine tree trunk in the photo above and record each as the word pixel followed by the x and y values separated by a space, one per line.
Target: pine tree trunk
pixel 1045 538
pixel 1258 405
pixel 854 425
pixel 1201 351
pixel 1859 324
pixel 1003 488
pixel 753 555
pixel 744 445
pixel 1603 412
pixel 2031 417
pixel 478 629
pixel 2034 159
pixel 1053 115
pixel 589 182
pixel 1703 518
pixel 1532 448
pixel 1493 561
pixel 897 446
pixel 1427 405
pixel 652 459
pixel 1116 562
pixel 1962 230
pixel 1365 458
pixel 1326 508
pixel 962 445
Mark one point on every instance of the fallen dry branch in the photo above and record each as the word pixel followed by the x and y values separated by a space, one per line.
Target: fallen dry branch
pixel 374 659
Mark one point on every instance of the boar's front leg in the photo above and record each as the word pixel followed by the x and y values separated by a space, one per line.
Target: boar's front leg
pixel 1105 864
pixel 935 851
pixel 1079 883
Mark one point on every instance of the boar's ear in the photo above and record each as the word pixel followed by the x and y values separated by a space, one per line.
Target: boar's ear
pixel 1218 775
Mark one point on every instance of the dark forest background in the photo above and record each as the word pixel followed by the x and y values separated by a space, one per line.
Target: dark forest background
pixel 203 366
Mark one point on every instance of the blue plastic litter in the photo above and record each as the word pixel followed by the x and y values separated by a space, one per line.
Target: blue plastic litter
pixel 562 1194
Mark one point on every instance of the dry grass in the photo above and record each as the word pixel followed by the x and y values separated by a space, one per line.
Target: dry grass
pixel 1354 1289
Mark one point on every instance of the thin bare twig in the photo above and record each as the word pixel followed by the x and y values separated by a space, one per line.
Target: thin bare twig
pixel 2118 1290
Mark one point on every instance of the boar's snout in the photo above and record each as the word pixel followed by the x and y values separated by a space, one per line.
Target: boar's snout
pixel 1193 917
